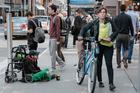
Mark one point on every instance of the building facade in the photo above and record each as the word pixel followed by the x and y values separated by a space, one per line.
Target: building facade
pixel 112 6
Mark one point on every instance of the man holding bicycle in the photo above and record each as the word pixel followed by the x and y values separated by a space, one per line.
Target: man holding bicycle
pixel 104 31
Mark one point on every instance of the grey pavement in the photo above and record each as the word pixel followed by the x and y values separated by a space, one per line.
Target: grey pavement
pixel 1 28
pixel 125 80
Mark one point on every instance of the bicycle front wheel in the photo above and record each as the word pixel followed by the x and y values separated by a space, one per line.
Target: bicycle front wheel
pixel 80 75
pixel 92 77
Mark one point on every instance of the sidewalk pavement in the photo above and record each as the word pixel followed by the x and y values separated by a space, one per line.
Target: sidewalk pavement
pixel 125 80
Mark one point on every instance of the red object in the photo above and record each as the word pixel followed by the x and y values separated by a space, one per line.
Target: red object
pixel 23 26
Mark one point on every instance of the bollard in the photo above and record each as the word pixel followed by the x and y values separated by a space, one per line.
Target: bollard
pixel 9 39
pixel 139 70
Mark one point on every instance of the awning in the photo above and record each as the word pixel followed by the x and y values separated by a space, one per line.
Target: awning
pixel 40 7
pixel 4 6
pixel 82 6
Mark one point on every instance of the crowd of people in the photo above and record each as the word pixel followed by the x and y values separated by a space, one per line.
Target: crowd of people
pixel 121 29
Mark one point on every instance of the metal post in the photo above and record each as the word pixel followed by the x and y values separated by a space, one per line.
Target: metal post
pixel 68 23
pixel 22 7
pixel 139 70
pixel 33 6
pixel 46 6
pixel 10 6
pixel 30 5
pixel 68 7
pixel 25 7
pixel 123 1
pixel 9 39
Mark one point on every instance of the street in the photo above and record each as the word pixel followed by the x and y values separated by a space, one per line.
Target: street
pixel 125 80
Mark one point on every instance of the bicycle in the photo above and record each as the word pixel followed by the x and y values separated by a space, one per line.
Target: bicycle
pixel 87 64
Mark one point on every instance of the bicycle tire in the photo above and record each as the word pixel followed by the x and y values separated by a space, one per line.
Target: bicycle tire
pixel 92 77
pixel 80 75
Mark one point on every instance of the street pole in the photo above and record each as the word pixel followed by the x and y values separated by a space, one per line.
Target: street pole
pixel 9 39
pixel 139 70
pixel 123 2
pixel 10 6
pixel 68 23
pixel 33 6
pixel 25 7
pixel 30 5
pixel 68 9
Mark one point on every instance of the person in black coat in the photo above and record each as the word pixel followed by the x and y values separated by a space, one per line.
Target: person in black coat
pixel 78 23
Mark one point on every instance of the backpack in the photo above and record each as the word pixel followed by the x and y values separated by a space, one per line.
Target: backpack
pixel 63 25
pixel 39 36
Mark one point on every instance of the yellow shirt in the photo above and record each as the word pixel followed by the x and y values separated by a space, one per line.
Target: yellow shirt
pixel 104 32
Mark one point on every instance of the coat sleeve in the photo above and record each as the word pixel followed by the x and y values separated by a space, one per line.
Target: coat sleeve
pixel 115 30
pixel 85 28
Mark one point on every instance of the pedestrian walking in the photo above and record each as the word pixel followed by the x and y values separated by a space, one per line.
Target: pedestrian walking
pixel 79 22
pixel 54 41
pixel 32 22
pixel 124 23
pixel 105 32
pixel 135 23
pixel 62 41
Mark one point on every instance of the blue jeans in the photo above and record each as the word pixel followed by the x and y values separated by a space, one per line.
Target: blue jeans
pixel 130 49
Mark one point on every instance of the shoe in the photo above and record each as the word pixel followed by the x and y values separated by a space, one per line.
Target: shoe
pixel 112 87
pixel 119 66
pixel 101 84
pixel 129 61
pixel 125 64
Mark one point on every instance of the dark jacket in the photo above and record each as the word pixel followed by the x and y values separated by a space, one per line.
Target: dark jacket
pixel 124 24
pixel 78 24
pixel 55 27
pixel 93 26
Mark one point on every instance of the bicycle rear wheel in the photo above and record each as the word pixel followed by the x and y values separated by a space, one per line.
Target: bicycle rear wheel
pixel 92 77
pixel 80 75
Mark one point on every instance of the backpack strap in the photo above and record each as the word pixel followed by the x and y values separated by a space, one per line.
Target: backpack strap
pixel 34 22
pixel 54 22
pixel 54 19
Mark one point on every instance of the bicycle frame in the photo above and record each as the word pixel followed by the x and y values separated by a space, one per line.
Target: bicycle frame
pixel 87 64
pixel 89 58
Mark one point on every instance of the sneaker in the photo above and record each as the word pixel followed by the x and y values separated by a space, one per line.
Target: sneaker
pixel 125 64
pixel 119 66
pixel 112 87
pixel 129 61
pixel 101 84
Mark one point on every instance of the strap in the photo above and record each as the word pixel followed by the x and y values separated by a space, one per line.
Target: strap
pixel 34 23
pixel 54 22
